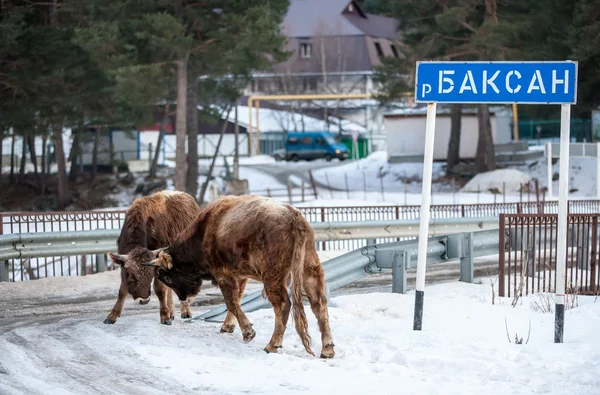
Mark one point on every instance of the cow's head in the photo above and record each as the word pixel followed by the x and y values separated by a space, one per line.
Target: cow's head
pixel 184 279
pixel 137 276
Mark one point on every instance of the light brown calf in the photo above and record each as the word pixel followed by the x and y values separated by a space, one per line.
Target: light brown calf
pixel 237 238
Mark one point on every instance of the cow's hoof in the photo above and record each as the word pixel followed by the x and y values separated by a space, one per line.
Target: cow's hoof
pixel 165 322
pixel 248 336
pixel 227 328
pixel 271 349
pixel 328 351
pixel 109 321
pixel 173 317
pixel 186 315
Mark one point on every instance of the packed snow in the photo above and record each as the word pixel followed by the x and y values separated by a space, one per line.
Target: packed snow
pixel 507 180
pixel 467 345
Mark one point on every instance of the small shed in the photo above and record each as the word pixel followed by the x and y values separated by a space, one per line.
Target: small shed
pixel 405 131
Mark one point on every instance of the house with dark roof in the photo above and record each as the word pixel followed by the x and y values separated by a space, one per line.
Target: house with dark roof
pixel 335 45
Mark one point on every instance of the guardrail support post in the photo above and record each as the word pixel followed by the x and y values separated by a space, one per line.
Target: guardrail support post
pixel 399 272
pixel 100 263
pixel 466 259
pixel 4 271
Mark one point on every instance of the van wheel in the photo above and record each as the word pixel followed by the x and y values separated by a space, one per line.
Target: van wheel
pixel 295 157
pixel 278 158
pixel 328 157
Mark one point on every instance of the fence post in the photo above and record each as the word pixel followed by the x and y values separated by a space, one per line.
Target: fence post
pixel 312 183
pixel 100 263
pixel 399 272
pixel 583 245
pixel 501 255
pixel 466 259
pixel 289 191
pixel 150 154
pixel 303 191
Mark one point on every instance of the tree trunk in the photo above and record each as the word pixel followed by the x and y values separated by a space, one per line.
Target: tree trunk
pixel 13 142
pixel 33 156
pixel 192 135
pixel 44 159
pixel 21 177
pixel 75 153
pixel 454 144
pixel 64 195
pixel 214 159
pixel 485 159
pixel 236 155
pixel 97 137
pixel 180 129
pixel 1 140
pixel 159 143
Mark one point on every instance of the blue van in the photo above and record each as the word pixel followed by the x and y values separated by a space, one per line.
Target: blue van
pixel 311 145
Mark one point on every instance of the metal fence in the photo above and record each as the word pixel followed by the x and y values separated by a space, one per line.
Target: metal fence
pixel 527 259
pixel 30 222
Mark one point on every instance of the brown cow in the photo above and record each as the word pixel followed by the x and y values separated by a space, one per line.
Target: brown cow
pixel 151 222
pixel 237 238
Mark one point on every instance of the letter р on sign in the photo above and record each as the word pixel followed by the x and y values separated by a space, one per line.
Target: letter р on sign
pixel 497 82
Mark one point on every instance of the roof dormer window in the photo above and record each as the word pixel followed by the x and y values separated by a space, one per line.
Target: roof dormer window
pixel 305 50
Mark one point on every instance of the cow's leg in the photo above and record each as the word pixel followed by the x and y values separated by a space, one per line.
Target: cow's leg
pixel 279 298
pixel 230 288
pixel 185 309
pixel 314 286
pixel 118 307
pixel 229 323
pixel 162 291
pixel 170 303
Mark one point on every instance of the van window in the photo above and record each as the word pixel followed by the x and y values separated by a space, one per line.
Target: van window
pixel 321 141
pixel 307 140
pixel 293 140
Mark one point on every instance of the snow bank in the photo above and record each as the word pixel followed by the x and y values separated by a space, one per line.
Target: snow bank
pixel 373 173
pixel 510 179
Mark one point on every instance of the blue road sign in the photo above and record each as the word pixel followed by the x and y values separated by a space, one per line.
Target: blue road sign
pixel 496 82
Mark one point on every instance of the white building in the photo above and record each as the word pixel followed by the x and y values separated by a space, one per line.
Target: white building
pixel 405 130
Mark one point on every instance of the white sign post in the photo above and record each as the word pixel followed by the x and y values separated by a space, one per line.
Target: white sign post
pixel 497 83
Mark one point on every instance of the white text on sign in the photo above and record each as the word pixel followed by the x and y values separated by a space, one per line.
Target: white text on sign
pixel 512 82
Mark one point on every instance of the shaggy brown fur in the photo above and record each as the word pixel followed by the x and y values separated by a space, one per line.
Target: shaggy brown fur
pixel 151 222
pixel 237 238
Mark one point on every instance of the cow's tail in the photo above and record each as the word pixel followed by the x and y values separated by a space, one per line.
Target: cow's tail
pixel 300 236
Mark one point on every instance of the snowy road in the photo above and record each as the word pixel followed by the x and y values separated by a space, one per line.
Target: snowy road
pixel 52 341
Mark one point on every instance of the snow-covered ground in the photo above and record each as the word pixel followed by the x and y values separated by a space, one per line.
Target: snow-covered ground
pixel 60 346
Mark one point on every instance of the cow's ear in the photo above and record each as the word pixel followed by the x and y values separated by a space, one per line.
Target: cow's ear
pixel 117 258
pixel 162 262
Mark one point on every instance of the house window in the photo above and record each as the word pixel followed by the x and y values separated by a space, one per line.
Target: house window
pixel 305 50
pixel 394 50
pixel 378 49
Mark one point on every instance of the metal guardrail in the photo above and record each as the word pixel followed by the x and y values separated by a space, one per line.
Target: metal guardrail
pixel 398 256
pixel 43 244
pixel 101 241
